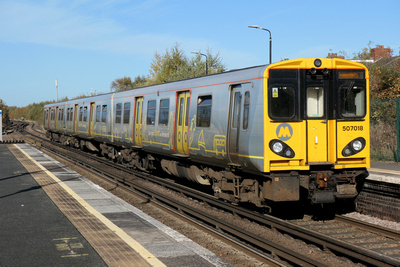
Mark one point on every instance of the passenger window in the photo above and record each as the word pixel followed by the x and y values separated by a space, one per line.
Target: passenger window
pixel 127 111
pixel 236 110
pixel 98 113
pixel 164 112
pixel 104 113
pixel 353 101
pixel 282 104
pixel 85 113
pixel 151 112
pixel 315 102
pixel 80 113
pixel 204 105
pixel 187 111
pixel 118 113
pixel 181 106
pixel 246 110
pixel 139 113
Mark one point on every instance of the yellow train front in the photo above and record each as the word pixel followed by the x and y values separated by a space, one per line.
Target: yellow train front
pixel 316 129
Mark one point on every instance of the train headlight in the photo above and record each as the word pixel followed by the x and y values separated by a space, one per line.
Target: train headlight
pixel 317 63
pixel 357 145
pixel 354 147
pixel 277 147
pixel 281 149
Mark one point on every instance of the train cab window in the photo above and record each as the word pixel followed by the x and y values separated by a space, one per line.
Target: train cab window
pixel 104 113
pixel 98 113
pixel 151 112
pixel 353 100
pixel 85 113
pixel 204 105
pixel 164 112
pixel 246 110
pixel 282 102
pixel 127 111
pixel 80 113
pixel 118 113
pixel 315 102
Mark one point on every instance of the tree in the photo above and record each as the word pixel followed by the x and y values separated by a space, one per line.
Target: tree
pixel 121 84
pixel 4 111
pixel 174 65
pixel 139 81
pixel 385 80
pixel 215 64
pixel 168 67
pixel 365 53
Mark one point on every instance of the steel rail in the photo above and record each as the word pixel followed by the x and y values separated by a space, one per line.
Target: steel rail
pixel 389 233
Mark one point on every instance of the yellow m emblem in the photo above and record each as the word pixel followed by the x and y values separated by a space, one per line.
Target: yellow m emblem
pixel 284 132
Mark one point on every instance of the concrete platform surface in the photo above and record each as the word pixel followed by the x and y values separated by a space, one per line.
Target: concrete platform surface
pixel 39 232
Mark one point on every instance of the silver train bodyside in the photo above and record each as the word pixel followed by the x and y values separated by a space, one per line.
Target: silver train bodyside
pixel 214 141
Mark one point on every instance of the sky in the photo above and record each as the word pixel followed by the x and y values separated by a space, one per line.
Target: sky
pixel 86 44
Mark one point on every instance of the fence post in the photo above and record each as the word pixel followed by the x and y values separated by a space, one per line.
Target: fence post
pixel 398 129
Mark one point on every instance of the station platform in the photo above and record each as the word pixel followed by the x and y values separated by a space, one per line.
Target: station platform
pixel 52 216
pixel 388 172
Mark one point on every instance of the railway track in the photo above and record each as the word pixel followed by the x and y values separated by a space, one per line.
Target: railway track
pixel 327 235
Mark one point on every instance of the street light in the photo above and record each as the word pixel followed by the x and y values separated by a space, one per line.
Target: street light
pixel 198 53
pixel 57 89
pixel 270 39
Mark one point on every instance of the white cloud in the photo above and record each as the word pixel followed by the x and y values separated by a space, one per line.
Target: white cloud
pixel 60 26
pixel 108 26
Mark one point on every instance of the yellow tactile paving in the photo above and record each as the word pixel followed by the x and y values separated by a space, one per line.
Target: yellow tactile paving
pixel 115 246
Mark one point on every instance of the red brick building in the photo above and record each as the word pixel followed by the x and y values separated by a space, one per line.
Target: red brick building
pixel 380 52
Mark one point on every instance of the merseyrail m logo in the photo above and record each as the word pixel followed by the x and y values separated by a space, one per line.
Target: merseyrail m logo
pixel 284 131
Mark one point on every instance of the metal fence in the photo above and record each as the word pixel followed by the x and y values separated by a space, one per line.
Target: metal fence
pixel 385 125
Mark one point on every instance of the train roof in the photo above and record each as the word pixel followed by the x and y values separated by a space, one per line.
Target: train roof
pixel 237 74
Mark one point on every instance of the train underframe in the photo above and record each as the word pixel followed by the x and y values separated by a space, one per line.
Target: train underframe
pixel 321 185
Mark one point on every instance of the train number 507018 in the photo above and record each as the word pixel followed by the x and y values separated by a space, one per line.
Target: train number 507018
pixel 352 128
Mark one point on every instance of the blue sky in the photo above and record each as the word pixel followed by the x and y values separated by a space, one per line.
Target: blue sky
pixel 86 44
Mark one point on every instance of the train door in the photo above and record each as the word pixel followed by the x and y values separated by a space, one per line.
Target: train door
pixel 48 112
pixel 91 119
pixel 76 111
pixel 56 119
pixel 234 124
pixel 317 126
pixel 182 125
pixel 138 121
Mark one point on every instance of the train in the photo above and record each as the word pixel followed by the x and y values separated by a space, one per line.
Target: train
pixel 286 132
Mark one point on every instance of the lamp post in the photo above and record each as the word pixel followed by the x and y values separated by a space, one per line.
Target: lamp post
pixel 198 53
pixel 270 39
pixel 57 89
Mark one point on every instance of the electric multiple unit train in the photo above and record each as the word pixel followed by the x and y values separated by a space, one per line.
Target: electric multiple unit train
pixel 292 130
